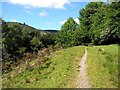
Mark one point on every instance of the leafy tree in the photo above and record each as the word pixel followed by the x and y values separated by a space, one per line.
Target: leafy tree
pixel 99 23
pixel 48 39
pixel 114 15
pixel 99 28
pixel 65 36
pixel 18 39
pixel 13 40
pixel 35 44
pixel 87 15
pixel 78 37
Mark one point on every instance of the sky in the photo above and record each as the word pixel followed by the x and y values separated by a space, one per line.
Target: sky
pixel 42 14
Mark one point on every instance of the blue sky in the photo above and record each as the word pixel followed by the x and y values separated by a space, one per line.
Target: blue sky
pixel 41 15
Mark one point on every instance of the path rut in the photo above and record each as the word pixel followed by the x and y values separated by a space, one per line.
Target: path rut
pixel 82 80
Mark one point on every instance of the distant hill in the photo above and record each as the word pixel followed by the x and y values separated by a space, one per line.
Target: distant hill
pixel 23 25
pixel 53 31
pixel 30 27
pixel 50 31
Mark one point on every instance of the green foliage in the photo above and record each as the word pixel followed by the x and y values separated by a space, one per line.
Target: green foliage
pixel 69 25
pixel 12 39
pixel 78 37
pixel 22 50
pixel 89 21
pixel 35 44
pixel 48 39
pixel 65 36
pixel 99 24
pixel 18 39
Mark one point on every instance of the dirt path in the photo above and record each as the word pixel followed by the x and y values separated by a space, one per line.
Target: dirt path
pixel 82 81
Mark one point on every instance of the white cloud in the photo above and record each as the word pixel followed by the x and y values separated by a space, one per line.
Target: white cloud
pixel 14 20
pixel 88 0
pixel 29 12
pixel 76 20
pixel 62 22
pixel 27 7
pixel 43 13
pixel 48 3
pixel 58 4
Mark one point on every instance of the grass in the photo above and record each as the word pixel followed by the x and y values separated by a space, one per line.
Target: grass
pixel 102 66
pixel 57 71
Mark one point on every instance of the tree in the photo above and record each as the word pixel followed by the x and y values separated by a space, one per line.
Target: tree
pixel 69 25
pixel 36 44
pixel 86 18
pixel 114 15
pixel 17 39
pixel 48 39
pixel 65 36
pixel 99 23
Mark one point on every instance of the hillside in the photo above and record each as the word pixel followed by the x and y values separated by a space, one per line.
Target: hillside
pixel 102 67
pixel 18 39
pixel 57 70
pixel 61 69
pixel 24 25
pixel 50 31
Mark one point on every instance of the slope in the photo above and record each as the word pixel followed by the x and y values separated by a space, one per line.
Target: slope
pixel 58 70
pixel 102 67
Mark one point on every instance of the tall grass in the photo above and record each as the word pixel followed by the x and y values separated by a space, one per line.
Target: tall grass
pixel 102 69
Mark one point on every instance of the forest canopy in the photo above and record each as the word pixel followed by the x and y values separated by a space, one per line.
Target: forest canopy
pixel 99 24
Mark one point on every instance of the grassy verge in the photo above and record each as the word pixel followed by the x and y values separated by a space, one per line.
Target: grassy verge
pixel 102 66
pixel 57 71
